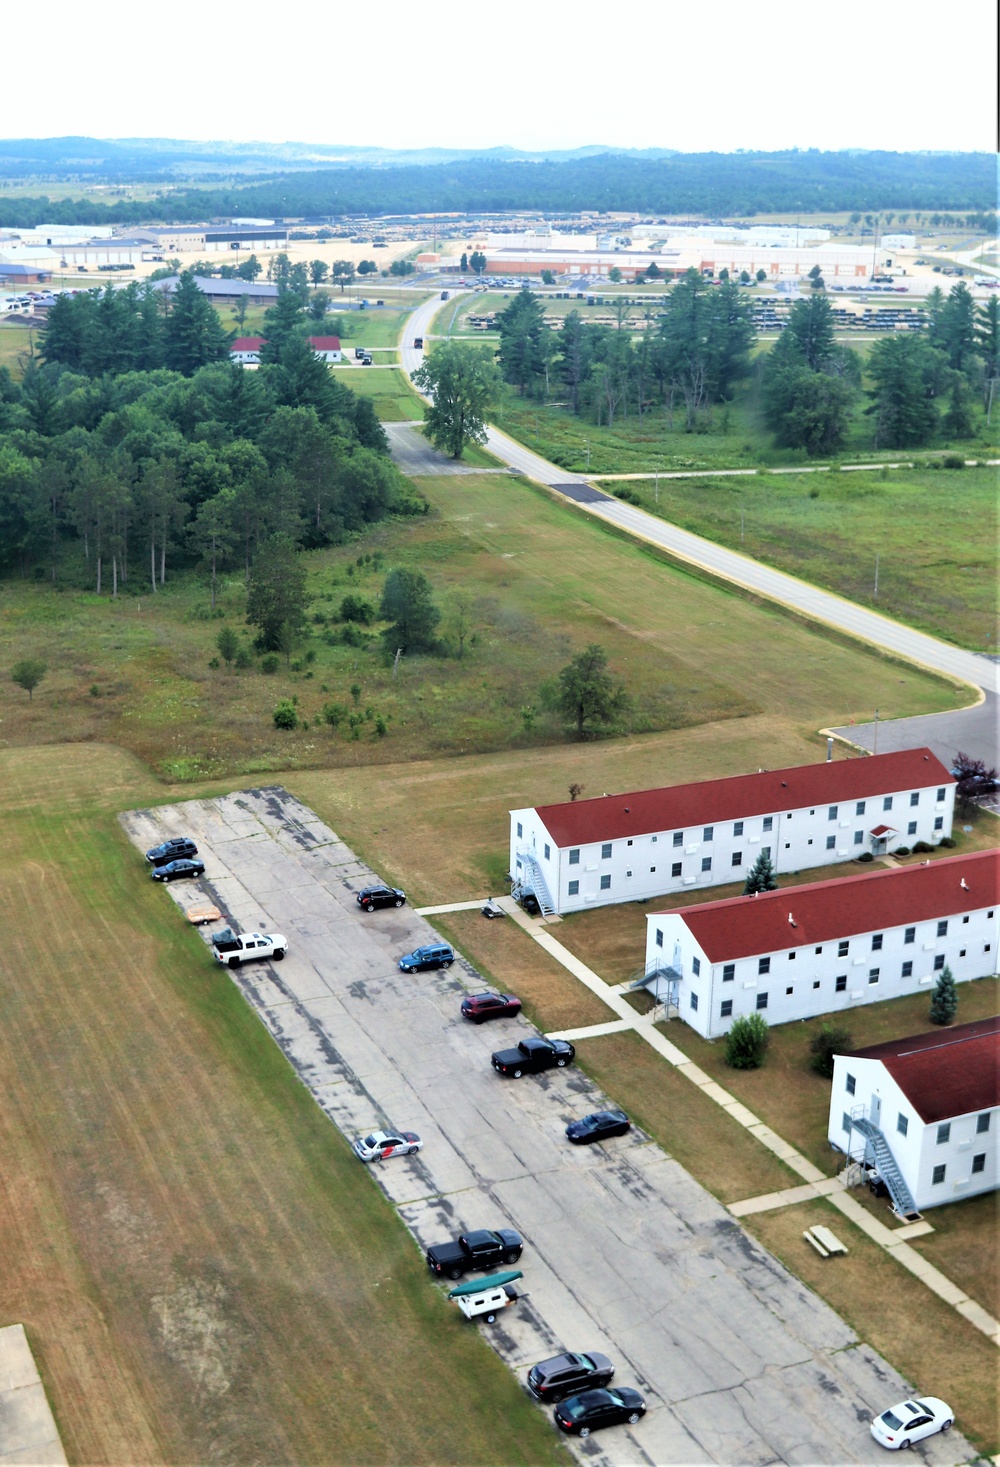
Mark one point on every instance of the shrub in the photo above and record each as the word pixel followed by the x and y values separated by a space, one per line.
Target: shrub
pixel 310 656
pixel 921 848
pixel 28 673
pixel 954 461
pixel 356 608
pixel 746 1042
pixel 95 691
pixel 866 856
pixel 243 659
pixel 214 663
pixel 380 726
pixel 296 664
pixel 901 851
pixel 823 1046
pixel 352 635
pixel 946 841
pixel 270 663
pixel 228 644
pixel 944 999
pixel 334 714
pixel 284 714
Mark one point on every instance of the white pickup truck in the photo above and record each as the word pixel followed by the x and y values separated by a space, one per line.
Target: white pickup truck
pixel 233 948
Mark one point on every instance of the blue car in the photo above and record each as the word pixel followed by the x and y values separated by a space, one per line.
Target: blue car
pixel 435 955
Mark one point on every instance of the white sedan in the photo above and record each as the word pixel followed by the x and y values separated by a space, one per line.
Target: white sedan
pixel 380 1145
pixel 910 1421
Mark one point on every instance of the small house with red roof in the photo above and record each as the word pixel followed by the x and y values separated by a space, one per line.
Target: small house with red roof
pixel 829 946
pixel 924 1110
pixel 246 349
pixel 327 348
pixel 628 848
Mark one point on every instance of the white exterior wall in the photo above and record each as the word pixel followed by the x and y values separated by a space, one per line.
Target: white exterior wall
pixel 329 356
pixel 102 253
pixel 265 242
pixel 246 358
pixel 645 865
pixel 920 1151
pixel 822 979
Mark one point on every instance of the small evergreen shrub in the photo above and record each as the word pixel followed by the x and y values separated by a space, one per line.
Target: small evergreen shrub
pixel 270 663
pixel 285 715
pixel 830 1040
pixel 243 659
pixel 944 999
pixel 946 841
pixel 901 851
pixel 921 848
pixel 747 1041
pixel 866 856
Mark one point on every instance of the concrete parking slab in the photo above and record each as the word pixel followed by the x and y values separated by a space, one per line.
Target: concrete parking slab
pixel 624 1252
pixel 28 1432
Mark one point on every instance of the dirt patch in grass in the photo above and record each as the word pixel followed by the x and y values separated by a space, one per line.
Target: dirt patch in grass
pixel 934 1348
pixel 724 1158
pixel 509 960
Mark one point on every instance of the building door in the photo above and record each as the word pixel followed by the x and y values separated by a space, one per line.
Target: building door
pixel 876 1111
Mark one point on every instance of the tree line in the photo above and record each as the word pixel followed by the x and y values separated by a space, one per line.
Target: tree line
pixel 133 444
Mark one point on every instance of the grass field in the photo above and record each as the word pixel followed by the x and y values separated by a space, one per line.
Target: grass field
pixel 204 1271
pixel 538 582
pixel 394 399
pixel 15 346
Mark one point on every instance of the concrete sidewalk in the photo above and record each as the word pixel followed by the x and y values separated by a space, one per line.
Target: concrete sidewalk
pixel 28 1434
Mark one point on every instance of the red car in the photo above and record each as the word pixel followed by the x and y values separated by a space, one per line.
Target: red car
pixel 482 1006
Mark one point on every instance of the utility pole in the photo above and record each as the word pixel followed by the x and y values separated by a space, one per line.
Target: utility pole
pixel 876 576
pixel 743 523
pixel 657 486
pixel 588 453
pixel 875 739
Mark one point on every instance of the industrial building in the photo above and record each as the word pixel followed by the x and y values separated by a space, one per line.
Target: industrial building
pixel 227 292
pixel 628 848
pixel 844 263
pixel 827 947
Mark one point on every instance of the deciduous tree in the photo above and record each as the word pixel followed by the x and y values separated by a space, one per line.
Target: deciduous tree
pixel 408 604
pixel 28 673
pixel 276 590
pixel 463 382
pixel 587 694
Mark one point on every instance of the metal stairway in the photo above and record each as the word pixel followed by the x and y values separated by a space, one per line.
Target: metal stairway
pixel 534 881
pixel 878 1146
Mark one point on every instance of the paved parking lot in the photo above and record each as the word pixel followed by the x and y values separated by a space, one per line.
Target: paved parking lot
pixel 624 1252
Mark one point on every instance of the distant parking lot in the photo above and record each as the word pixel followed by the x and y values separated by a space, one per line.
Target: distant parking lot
pixel 624 1252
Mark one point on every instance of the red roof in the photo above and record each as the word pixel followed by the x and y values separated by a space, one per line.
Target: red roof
pixel 884 830
pixel 247 343
pixel 950 1072
pixel 325 343
pixel 774 921
pixel 677 807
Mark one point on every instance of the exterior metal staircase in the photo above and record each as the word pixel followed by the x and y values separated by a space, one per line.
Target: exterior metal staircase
pixel 534 881
pixel 880 1151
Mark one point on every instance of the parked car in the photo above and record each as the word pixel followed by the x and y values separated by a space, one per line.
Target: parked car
pixel 371 897
pixel 233 948
pixel 360 351
pixel 598 1127
pixel 482 1006
pixel 911 1421
pixel 532 1055
pixel 434 955
pixel 481 1249
pixel 567 1375
pixel 593 1409
pixel 172 850
pixel 380 1145
pixel 173 870
pixel 418 343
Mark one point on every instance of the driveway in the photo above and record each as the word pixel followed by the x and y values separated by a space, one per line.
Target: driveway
pixel 967 730
pixel 624 1252
pixel 414 456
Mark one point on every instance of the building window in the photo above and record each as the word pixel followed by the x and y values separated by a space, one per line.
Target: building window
pixel 817 951
pixel 845 1122
pixel 986 947
pixel 729 973
pixel 573 889
pixel 902 1124
pixel 840 983
pixel 708 833
pixel 520 830
pixel 548 852
pixel 944 1133
pixel 939 962
pixel 939 822
pixel 979 1163
pixel 737 827
pixel 940 794
pixel 628 873
pixel 606 851
pixel 652 870
pixel 911 828
pixel 850 1084
pixel 877 941
pixel 873 975
pixel 789 991
pixel 659 937
pixel 706 863
pixel 962 953
pixel 726 1009
pixel 675 869
pixel 605 883
pixel 965 921
pixel 937 1176
pixel 982 1123
pixel 815 983
pixel 628 842
pixel 737 858
pixel 696 967
pixel 791 957
pixel 831 814
pixel 831 841
pixel 910 935
pixel 766 851
pixel 768 822
pixel 654 839
pixel 907 970
pixel 762 1000
pixel 763 965
pixel 843 947
pixel 915 799
pixel 887 803
pixel 859 808
pixel 694 1000
pixel 678 837
pixel 574 856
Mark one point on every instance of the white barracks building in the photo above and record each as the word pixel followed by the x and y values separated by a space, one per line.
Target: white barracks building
pixel 628 848
pixel 828 946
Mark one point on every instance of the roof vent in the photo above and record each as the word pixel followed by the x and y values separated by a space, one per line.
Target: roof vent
pixel 783 785
pixel 964 884
pixel 792 920
pixel 626 809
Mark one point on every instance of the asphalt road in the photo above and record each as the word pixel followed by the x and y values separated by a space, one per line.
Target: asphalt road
pixel 966 730
pixel 624 1252
pixel 413 455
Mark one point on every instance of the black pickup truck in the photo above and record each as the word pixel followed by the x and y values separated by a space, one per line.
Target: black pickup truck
pixel 532 1055
pixel 482 1249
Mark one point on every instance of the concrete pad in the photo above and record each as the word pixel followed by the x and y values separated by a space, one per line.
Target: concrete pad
pixel 978 1316
pixel 912 1230
pixel 593 1031
pixel 741 1114
pixel 27 1427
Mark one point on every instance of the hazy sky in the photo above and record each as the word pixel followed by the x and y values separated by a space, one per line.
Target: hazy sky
pixel 690 76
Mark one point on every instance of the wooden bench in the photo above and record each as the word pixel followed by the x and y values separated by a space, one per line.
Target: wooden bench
pixel 825 1242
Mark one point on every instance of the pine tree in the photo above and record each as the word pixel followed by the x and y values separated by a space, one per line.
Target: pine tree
pixel 944 999
pixel 761 876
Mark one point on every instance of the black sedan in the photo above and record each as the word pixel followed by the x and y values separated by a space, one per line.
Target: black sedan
pixel 598 1127
pixel 567 1375
pixel 583 1414
pixel 371 897
pixel 173 870
pixel 181 846
pixel 482 1006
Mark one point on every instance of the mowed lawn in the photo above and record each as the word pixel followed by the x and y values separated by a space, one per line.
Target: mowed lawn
pixel 392 396
pixel 205 1272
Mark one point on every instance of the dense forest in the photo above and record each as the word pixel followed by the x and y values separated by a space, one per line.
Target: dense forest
pixel 716 184
pixel 135 445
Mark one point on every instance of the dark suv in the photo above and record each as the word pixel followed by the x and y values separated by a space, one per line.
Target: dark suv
pixel 482 1006
pixel 565 1375
pixel 434 955
pixel 371 897
pixel 181 847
